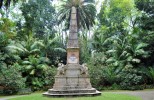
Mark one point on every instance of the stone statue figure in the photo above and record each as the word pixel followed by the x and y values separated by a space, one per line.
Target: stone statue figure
pixel 84 69
pixel 61 69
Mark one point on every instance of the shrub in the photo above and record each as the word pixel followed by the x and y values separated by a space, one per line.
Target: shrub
pixel 37 73
pixel 130 78
pixel 11 79
pixel 96 67
pixel 109 76
pixel 148 74
pixel 96 76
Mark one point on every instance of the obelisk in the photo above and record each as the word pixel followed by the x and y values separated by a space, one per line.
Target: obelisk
pixel 73 45
pixel 72 79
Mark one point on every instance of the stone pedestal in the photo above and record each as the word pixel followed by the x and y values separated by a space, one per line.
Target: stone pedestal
pixel 72 80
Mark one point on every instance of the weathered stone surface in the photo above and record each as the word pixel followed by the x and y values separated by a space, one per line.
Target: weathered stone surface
pixel 73 16
pixel 73 78
pixel 74 81
pixel 73 22
pixel 73 36
pixel 72 43
pixel 72 56
pixel 72 94
pixel 73 29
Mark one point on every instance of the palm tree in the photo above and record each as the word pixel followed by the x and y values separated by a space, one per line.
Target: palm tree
pixel 51 45
pixel 85 13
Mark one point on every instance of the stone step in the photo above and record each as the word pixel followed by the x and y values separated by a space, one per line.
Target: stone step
pixel 52 91
pixel 72 94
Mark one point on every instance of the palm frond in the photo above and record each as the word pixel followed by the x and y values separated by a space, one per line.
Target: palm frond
pixel 85 13
pixel 51 41
pixel 110 60
pixel 141 45
pixel 26 62
pixel 34 51
pixel 14 49
pixel 59 49
pixel 37 44
pixel 111 51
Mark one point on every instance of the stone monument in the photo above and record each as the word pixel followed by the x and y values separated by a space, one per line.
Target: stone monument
pixel 72 79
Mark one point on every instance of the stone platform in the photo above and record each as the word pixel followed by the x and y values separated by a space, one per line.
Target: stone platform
pixel 72 80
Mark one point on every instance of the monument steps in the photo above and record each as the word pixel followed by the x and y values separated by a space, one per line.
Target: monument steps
pixel 72 94
pixel 72 91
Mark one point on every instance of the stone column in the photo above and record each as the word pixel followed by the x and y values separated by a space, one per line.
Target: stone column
pixel 73 45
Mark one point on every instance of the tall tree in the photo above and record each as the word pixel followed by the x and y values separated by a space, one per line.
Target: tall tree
pixel 39 16
pixel 146 25
pixel 85 12
pixel 147 20
pixel 115 14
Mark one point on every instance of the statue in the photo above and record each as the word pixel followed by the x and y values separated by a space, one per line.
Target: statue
pixel 84 69
pixel 61 69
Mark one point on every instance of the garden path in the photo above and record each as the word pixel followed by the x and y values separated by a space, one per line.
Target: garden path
pixel 10 97
pixel 145 95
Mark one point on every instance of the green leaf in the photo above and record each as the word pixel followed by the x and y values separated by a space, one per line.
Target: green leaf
pixel 37 44
pixel 129 58
pixel 116 63
pixel 141 45
pixel 136 60
pixel 42 67
pixel 140 52
pixel 13 47
pixel 110 60
pixel 29 67
pixel 110 51
pixel 35 51
pixel 60 49
pixel 32 72
pixel 44 59
pixel 26 62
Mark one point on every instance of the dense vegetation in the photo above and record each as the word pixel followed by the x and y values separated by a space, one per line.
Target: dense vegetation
pixel 118 45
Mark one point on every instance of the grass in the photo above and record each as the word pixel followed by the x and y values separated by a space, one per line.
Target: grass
pixel 104 96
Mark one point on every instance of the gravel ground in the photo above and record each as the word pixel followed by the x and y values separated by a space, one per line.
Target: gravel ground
pixel 7 98
pixel 145 95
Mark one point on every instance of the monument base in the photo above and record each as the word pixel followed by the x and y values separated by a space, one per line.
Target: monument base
pixel 72 80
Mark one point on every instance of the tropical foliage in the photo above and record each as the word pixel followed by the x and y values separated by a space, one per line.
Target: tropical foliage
pixel 123 49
